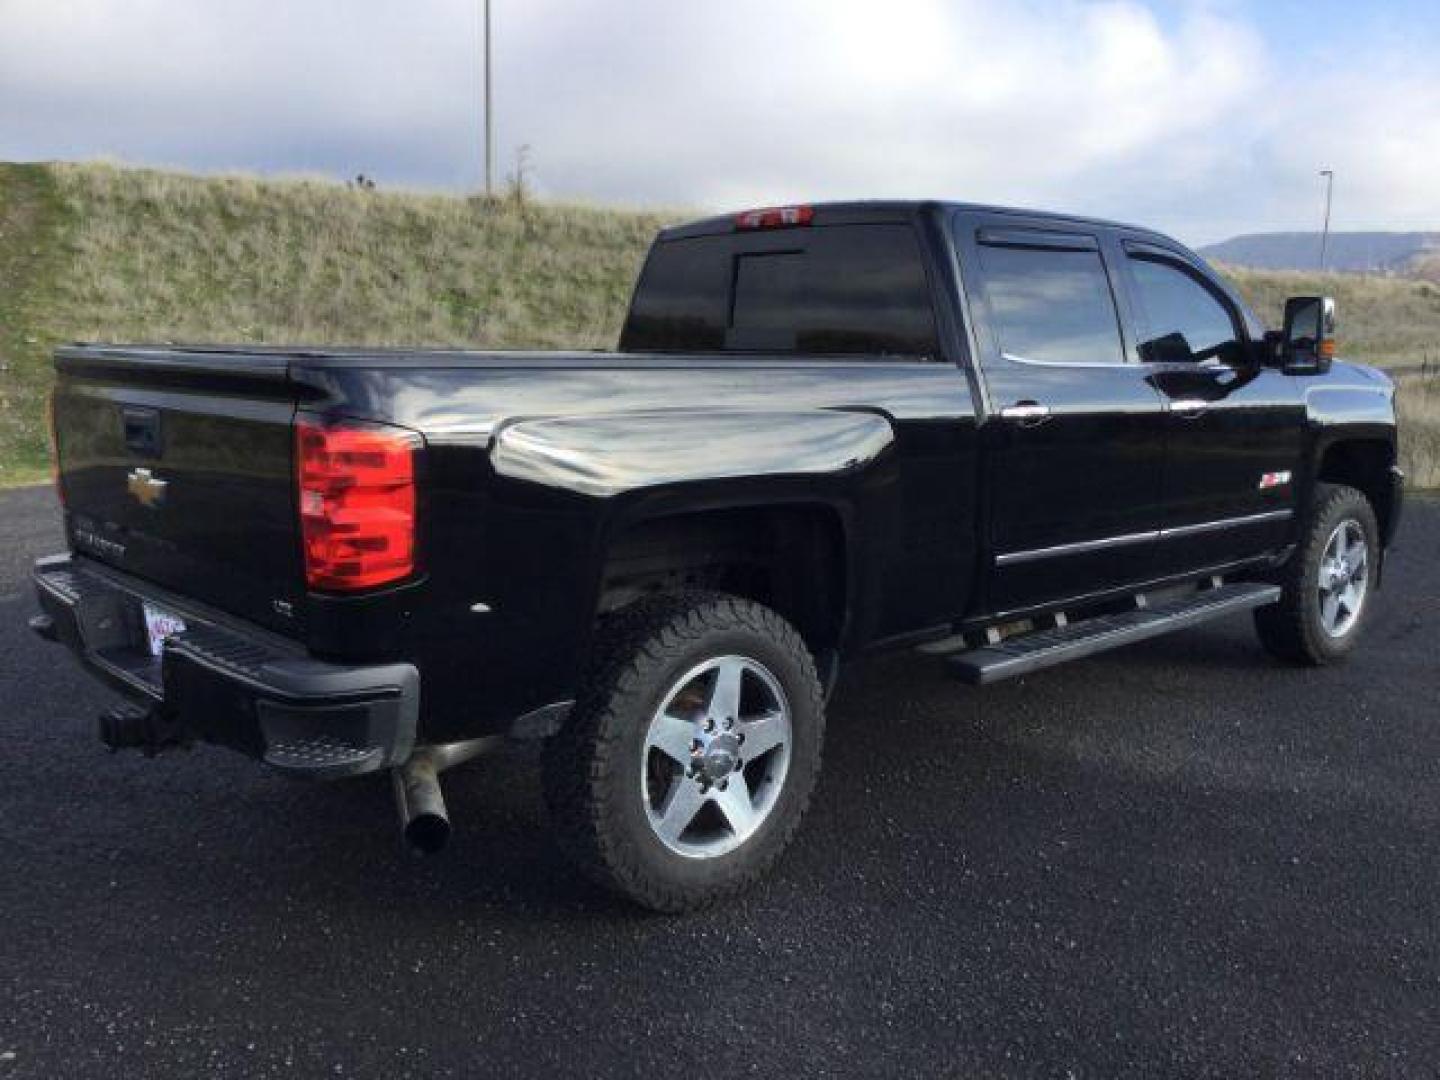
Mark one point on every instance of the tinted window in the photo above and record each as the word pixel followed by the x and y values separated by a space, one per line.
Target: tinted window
pixel 768 292
pixel 1183 319
pixel 1051 306
pixel 833 289
pixel 682 301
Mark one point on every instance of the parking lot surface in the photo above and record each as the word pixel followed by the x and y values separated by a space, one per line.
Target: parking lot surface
pixel 1179 859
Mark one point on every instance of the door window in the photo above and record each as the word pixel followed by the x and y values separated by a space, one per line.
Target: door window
pixel 1184 320
pixel 1051 306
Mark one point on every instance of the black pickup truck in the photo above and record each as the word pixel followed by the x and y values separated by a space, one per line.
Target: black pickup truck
pixel 1005 437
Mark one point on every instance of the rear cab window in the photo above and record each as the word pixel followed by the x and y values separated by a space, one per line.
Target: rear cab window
pixel 856 289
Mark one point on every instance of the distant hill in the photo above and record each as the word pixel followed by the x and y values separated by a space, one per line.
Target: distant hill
pixel 1410 253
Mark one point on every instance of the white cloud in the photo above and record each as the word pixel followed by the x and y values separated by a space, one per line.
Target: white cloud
pixel 1193 122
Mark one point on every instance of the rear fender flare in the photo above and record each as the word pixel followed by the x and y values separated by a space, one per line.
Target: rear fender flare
pixel 613 454
pixel 637 467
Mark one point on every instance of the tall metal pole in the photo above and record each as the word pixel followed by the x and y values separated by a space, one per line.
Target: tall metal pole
pixel 489 129
pixel 1329 175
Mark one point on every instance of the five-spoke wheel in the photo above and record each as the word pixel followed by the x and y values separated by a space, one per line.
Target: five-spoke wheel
pixel 716 756
pixel 685 768
pixel 1326 580
pixel 1344 578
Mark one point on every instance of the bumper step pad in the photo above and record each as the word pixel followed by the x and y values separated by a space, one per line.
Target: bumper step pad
pixel 1045 648
pixel 319 756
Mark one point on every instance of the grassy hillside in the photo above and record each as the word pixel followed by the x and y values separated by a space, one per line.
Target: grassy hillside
pixel 1419 401
pixel 103 253
pixel 30 223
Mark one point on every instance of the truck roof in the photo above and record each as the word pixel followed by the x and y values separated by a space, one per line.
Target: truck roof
pixel 862 211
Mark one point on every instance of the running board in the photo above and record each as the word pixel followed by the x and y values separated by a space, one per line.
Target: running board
pixel 1045 648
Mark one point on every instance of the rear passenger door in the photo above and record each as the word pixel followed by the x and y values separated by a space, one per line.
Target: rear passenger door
pixel 1074 433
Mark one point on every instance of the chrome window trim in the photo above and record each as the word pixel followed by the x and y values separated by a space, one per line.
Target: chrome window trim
pixel 1016 358
pixel 1013 558
pixel 1146 365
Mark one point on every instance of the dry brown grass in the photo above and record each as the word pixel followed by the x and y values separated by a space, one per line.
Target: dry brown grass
pixel 162 256
pixel 1385 321
pixel 1419 406
pixel 29 266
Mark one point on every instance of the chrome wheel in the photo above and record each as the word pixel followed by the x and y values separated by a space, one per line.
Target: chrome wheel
pixel 1344 578
pixel 715 757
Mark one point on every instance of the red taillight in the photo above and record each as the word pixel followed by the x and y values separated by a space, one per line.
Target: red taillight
pixel 357 504
pixel 775 217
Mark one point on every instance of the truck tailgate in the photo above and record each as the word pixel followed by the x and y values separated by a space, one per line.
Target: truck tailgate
pixel 176 467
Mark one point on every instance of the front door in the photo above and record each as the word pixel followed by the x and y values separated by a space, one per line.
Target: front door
pixel 1074 431
pixel 1235 428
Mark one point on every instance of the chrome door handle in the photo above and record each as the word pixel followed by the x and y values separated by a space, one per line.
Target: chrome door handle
pixel 1026 412
pixel 1187 408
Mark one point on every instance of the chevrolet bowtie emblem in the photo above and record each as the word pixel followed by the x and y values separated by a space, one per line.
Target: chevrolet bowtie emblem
pixel 146 487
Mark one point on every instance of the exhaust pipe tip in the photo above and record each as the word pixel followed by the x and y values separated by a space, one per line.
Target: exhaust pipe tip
pixel 427 833
pixel 423 819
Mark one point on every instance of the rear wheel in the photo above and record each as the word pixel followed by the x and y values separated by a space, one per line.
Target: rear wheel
pixel 685 768
pixel 1326 582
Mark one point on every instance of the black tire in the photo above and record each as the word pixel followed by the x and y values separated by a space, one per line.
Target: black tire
pixel 1293 629
pixel 594 769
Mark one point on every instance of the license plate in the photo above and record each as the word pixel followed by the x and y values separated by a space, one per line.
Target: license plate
pixel 159 625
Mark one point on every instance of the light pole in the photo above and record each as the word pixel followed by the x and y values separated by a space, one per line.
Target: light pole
pixel 1329 175
pixel 489 130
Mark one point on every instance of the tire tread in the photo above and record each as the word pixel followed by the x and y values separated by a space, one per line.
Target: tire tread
pixel 633 645
pixel 1287 628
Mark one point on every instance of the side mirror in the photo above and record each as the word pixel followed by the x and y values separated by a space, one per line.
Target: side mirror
pixel 1307 344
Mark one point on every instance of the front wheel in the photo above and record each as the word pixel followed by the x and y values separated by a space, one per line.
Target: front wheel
pixel 686 766
pixel 1326 583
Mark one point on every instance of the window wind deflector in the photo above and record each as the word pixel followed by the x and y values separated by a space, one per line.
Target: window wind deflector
pixel 1145 249
pixel 1038 238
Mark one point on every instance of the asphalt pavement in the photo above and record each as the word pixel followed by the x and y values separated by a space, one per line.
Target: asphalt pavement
pixel 1179 859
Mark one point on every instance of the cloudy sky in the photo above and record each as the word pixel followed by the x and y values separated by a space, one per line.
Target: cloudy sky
pixel 1203 117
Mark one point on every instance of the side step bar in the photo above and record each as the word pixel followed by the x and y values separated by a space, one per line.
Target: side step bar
pixel 1045 648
